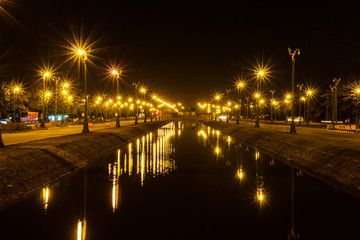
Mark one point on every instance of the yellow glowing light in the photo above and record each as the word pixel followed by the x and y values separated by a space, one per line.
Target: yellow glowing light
pixel 261 73
pixel 69 97
pixel 288 96
pixel 309 92
pixel 358 90
pixel 46 74
pixel 217 150
pixel 16 89
pixel 260 196
pixel 240 174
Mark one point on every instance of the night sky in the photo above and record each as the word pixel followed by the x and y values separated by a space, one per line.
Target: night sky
pixel 189 49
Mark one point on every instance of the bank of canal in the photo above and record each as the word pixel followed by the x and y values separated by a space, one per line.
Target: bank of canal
pixel 185 181
pixel 323 157
pixel 29 166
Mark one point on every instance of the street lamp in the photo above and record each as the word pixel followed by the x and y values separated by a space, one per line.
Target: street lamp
pixel 45 75
pixel 116 74
pixel 309 94
pixel 292 54
pixel 239 85
pixel 357 92
pixel 217 99
pixel 143 92
pixel 82 55
pixel 260 74
pixel 16 90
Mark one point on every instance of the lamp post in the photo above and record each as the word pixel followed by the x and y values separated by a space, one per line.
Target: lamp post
pixel 136 85
pixel 83 56
pixel 271 105
pixel 16 89
pixel 42 123
pixel 309 94
pixel 56 99
pixel 217 99
pixel 239 86
pixel 292 54
pixel 143 92
pixel 116 74
pixel 334 90
pixel 258 86
pixel 357 92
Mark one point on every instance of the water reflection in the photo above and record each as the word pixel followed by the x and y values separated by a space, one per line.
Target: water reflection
pixel 81 230
pixel 232 154
pixel 152 155
pixel 260 189
pixel 240 162
pixel 292 234
pixel 45 198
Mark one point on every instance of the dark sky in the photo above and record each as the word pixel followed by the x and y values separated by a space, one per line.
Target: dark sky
pixel 188 49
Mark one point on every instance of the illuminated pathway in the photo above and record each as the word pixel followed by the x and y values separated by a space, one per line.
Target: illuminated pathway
pixel 21 137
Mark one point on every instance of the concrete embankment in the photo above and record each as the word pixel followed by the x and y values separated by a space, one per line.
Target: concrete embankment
pixel 29 166
pixel 322 157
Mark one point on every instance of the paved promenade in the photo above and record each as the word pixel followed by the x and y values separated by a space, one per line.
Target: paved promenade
pixel 21 137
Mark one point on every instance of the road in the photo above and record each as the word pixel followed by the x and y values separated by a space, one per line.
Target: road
pixel 21 137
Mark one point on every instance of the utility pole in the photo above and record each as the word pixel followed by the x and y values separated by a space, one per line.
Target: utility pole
pixel 292 54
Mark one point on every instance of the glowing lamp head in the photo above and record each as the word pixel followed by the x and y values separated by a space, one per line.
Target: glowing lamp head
pixel 260 73
pixel 358 90
pixel 309 92
pixel 16 89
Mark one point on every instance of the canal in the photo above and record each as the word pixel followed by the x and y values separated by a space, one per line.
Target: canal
pixel 185 181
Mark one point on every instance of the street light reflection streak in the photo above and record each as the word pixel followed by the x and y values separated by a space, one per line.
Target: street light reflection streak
pixel 45 198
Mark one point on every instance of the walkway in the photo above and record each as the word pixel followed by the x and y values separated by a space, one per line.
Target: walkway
pixel 21 137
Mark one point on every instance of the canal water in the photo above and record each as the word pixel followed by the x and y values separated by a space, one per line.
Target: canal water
pixel 185 181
